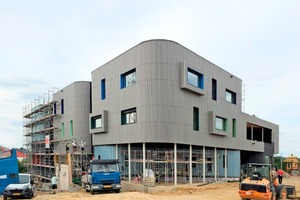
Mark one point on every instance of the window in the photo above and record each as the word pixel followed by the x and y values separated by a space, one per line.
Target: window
pixel 221 124
pixel 71 128
pixel 230 96
pixel 54 108
pixel 214 89
pixel 96 122
pixel 62 130
pixel 128 79
pixel 62 106
pixel 233 127
pixel 103 95
pixel 196 119
pixel 195 78
pixel 128 116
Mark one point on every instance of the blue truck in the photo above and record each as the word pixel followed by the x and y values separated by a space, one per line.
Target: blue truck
pixel 103 175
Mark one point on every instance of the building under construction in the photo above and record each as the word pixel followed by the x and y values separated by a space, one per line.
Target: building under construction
pixel 58 141
pixel 159 108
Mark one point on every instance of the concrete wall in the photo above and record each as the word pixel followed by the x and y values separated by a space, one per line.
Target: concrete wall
pixel 164 105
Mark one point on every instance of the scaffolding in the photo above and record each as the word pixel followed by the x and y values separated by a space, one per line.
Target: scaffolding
pixel 39 136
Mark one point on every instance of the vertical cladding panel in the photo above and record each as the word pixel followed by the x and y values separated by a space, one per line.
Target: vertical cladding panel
pixel 234 163
pixel 105 152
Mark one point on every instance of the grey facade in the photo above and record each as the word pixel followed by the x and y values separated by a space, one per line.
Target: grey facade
pixel 72 108
pixel 161 95
pixel 51 125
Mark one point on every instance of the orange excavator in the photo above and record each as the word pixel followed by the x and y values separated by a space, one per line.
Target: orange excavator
pixel 258 182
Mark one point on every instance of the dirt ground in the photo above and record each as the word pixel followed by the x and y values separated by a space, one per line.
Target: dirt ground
pixel 214 191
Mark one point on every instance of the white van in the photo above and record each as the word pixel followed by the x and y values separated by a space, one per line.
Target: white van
pixel 24 188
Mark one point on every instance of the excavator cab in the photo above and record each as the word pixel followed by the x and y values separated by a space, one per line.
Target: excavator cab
pixel 257 183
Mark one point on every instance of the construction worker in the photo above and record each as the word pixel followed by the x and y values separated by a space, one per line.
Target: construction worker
pixel 54 184
pixel 74 146
pixel 82 145
pixel 274 176
pixel 280 175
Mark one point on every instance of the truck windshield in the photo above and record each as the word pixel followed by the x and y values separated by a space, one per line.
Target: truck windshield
pixel 23 179
pixel 105 168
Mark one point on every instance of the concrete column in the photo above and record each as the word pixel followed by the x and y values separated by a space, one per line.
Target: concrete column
pixel 225 169
pixel 117 151
pixel 216 164
pixel 191 166
pixel 175 164
pixel 144 158
pixel 129 162
pixel 203 164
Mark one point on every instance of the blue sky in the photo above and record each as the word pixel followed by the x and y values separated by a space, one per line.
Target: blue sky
pixel 49 44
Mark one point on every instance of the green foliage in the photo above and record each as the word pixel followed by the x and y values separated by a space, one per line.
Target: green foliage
pixel 22 167
pixel 278 161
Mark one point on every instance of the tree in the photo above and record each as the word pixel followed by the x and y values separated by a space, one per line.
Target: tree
pixel 21 166
pixel 278 162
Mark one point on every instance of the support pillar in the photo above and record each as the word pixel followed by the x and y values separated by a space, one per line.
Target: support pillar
pixel 203 164
pixel 129 162
pixel 225 169
pixel 175 164
pixel 216 164
pixel 191 166
pixel 144 159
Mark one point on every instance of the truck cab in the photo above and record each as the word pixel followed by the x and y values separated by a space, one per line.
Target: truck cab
pixel 103 175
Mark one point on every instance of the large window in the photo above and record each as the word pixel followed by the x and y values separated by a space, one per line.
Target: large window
pixel 230 96
pixel 128 116
pixel 96 122
pixel 196 119
pixel 128 78
pixel 214 89
pixel 195 78
pixel 103 89
pixel 221 124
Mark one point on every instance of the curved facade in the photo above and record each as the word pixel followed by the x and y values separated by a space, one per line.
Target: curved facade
pixel 160 93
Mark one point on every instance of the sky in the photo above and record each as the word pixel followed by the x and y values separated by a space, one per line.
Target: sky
pixel 46 45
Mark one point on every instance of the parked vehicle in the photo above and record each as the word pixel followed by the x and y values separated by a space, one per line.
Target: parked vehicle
pixel 257 183
pixel 103 175
pixel 9 170
pixel 24 188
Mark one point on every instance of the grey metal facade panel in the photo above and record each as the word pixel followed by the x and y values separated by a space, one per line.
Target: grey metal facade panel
pixel 164 110
pixel 76 98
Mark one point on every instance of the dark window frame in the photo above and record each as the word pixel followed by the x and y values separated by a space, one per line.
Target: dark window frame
pixel 125 113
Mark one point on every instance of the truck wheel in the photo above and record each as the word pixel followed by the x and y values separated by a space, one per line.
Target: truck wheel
pixel 281 192
pixel 30 195
pixel 92 192
pixel 117 191
pixel 4 198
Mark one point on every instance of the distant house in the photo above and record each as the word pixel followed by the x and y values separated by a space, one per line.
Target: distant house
pixel 21 155
pixel 292 165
